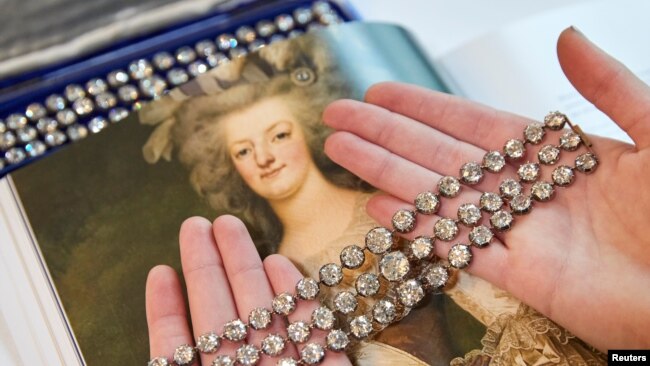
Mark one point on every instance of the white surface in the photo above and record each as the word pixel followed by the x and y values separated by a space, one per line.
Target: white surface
pixel 441 25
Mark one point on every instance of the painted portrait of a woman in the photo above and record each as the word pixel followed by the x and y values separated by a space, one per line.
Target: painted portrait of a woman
pixel 251 136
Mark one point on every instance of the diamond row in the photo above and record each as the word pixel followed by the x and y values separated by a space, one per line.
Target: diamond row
pixel 86 109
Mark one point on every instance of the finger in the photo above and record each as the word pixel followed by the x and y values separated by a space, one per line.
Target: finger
pixel 488 262
pixel 248 282
pixel 607 83
pixel 209 294
pixel 467 121
pixel 381 168
pixel 408 138
pixel 284 276
pixel 166 316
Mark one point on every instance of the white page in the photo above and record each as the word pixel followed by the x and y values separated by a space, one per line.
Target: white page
pixel 516 68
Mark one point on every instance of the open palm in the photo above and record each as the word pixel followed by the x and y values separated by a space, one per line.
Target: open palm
pixel 582 259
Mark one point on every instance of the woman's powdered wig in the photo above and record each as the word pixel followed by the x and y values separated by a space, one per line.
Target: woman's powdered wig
pixel 300 72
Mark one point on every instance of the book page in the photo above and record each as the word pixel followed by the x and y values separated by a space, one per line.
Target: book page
pixel 516 68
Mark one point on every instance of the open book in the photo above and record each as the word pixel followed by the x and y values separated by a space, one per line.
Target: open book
pixel 81 229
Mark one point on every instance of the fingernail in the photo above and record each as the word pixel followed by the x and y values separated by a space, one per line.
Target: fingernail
pixel 575 29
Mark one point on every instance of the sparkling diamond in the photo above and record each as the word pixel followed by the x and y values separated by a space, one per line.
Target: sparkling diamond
pixel 445 229
pixel 223 360
pixel 97 124
pixel 528 172
pixel 379 240
pixel 226 42
pixel 501 220
pixel 345 302
pixel 153 86
pixel 55 138
pixel 140 69
pixel 127 93
pixel 205 48
pixel 96 86
pixel 394 266
pixel 287 362
pixel 493 161
pixel 217 59
pixel 421 247
pixel 284 22
pixel 469 214
pixel 337 340
pixel 163 61
pixel 435 276
pixel 459 256
pixel 570 141
pixel 586 163
pixel 15 155
pixel 555 120
pixel 76 132
pixel 303 15
pixel 404 221
pixel 273 345
pixel 83 106
pixel 307 288
pixel 7 140
pixel 73 92
pixel 520 204
pixel 26 134
pixel 514 149
pixel 312 353
pixel 259 318
pixel 55 102
pixel 361 326
pixel 510 188
pixel 105 100
pixel 197 68
pixel 384 312
pixel 298 332
pixel 184 355
pixel 248 355
pixel 548 154
pixel 117 114
pixel 158 361
pixel 35 148
pixel 35 111
pixel 323 318
pixel 471 173
pixel 16 121
pixel 410 292
pixel 235 330
pixel 245 34
pixel 237 52
pixel 542 191
pixel 367 284
pixel 265 28
pixel 534 133
pixel 331 274
pixel 185 55
pixel 208 343
pixel 284 304
pixel 490 202
pixel 563 175
pixel 117 78
pixel 449 186
pixel 481 236
pixel 427 203
pixel 352 257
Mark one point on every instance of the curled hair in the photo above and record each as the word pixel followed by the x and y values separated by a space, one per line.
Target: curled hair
pixel 201 141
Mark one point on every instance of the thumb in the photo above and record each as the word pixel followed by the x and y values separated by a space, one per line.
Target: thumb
pixel 606 83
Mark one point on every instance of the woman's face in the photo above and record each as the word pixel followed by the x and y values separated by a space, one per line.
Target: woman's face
pixel 268 148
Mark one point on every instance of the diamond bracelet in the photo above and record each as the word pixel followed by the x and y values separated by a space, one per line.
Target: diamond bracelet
pixel 408 269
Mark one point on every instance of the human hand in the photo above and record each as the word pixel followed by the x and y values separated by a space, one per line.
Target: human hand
pixel 583 259
pixel 225 280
